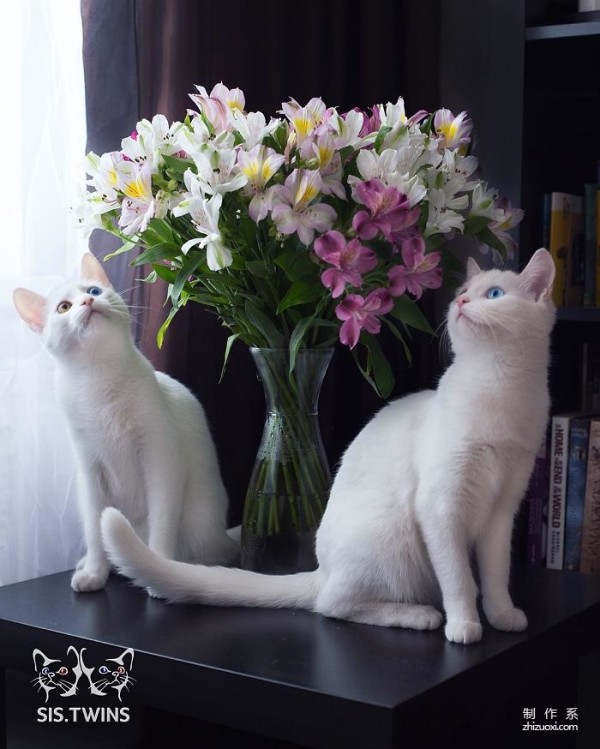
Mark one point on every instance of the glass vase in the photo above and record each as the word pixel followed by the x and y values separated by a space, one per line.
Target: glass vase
pixel 291 479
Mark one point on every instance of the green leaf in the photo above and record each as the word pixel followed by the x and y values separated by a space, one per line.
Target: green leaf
pixel 126 247
pixel 258 268
pixel 474 224
pixel 377 371
pixel 176 165
pixel 488 237
pixel 302 291
pixel 230 341
pixel 160 336
pixel 407 311
pixel 151 277
pixel 296 265
pixel 264 325
pixel 382 371
pixel 297 338
pixel 162 230
pixel 154 254
pixel 380 138
pixel 187 269
pixel 162 271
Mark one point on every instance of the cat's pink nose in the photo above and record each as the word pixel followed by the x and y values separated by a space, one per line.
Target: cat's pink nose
pixel 462 300
pixel 87 301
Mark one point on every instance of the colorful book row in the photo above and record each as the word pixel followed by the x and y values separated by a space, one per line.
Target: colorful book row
pixel 564 496
pixel 571 235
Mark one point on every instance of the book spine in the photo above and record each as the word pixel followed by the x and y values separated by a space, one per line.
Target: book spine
pixel 537 504
pixel 589 211
pixel 565 215
pixel 590 540
pixel 576 480
pixel 559 445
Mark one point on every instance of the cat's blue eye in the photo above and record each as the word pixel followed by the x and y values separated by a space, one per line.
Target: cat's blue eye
pixel 104 670
pixel 94 291
pixel 494 293
pixel 45 671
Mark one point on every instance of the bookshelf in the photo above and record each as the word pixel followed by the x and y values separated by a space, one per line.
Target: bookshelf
pixel 560 152
pixel 528 73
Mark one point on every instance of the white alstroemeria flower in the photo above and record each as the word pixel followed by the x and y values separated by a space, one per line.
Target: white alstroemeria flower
pixel 415 151
pixel 253 127
pixel 103 173
pixel 151 140
pixel 218 171
pixel 392 115
pixel 193 139
pixel 413 187
pixel 483 203
pixel 205 217
pixel 372 165
pixel 304 120
pixel 259 165
pixel 87 210
pixel 441 218
pixel 347 130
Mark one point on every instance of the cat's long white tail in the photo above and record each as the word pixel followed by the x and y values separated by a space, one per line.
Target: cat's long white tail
pixel 196 583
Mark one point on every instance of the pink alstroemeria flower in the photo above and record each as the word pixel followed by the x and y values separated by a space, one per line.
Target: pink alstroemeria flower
pixel 295 210
pixel 456 131
pixel 350 260
pixel 420 271
pixel 360 313
pixel 389 210
pixel 371 124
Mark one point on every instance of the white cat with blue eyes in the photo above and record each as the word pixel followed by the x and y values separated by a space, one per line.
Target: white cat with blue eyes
pixel 141 439
pixel 434 478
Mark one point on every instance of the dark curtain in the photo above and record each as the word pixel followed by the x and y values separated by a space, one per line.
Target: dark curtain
pixel 143 57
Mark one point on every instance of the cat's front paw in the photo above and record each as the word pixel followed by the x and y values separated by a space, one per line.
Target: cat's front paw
pixel 464 633
pixel 87 581
pixel 509 620
pixel 153 594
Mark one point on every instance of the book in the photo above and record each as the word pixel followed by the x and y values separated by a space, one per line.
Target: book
pixel 575 496
pixel 590 191
pixel 537 507
pixel 590 539
pixel 565 226
pixel 557 494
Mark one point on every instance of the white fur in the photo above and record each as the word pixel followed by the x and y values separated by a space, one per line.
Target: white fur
pixel 432 478
pixel 141 439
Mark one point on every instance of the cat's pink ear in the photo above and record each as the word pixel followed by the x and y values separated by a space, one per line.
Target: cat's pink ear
pixel 538 275
pixel 92 270
pixel 472 268
pixel 32 308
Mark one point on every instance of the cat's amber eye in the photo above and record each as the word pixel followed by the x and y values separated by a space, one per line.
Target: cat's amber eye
pixel 63 307
pixel 63 671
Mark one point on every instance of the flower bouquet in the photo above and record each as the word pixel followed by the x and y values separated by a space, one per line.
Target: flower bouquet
pixel 301 229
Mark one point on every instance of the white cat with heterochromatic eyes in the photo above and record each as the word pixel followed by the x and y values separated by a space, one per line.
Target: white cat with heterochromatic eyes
pixel 433 479
pixel 141 439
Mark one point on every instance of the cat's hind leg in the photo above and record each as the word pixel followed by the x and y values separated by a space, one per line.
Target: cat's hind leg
pixel 378 613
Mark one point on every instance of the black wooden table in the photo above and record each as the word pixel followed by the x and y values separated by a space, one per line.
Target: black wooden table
pixel 297 677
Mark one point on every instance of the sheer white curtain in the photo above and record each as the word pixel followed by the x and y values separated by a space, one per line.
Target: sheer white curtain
pixel 43 141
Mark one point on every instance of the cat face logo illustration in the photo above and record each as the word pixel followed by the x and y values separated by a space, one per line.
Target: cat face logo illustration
pixel 65 675
pixel 55 673
pixel 115 673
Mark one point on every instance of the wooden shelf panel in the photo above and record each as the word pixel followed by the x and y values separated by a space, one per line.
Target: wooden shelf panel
pixel 574 26
pixel 578 314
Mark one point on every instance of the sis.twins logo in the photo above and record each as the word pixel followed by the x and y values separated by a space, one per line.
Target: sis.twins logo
pixel 72 676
